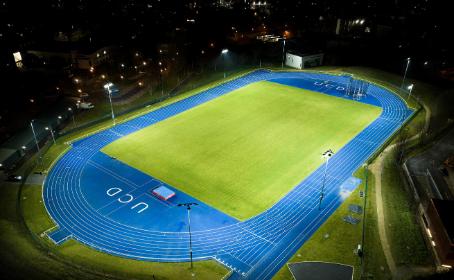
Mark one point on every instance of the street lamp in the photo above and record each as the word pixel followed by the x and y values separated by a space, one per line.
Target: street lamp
pixel 188 207
pixel 51 133
pixel 410 88
pixel 405 73
pixel 224 53
pixel 34 134
pixel 108 86
pixel 72 115
pixel 326 155
pixel 283 53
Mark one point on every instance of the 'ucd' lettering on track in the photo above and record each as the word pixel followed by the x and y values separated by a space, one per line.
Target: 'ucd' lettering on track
pixel 127 198
pixel 327 84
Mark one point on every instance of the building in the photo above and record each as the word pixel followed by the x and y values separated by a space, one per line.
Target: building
pixel 301 61
pixel 440 229
pixel 77 56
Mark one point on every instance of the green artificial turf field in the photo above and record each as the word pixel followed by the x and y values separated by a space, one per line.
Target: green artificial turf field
pixel 242 152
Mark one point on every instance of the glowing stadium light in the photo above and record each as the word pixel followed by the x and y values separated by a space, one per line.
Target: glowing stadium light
pixel 34 134
pixel 405 73
pixel 283 53
pixel 72 115
pixel 51 133
pixel 108 85
pixel 326 155
pixel 223 53
pixel 410 88
pixel 188 208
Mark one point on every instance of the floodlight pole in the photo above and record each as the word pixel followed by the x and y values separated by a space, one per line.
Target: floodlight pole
pixel 110 100
pixel 326 155
pixel 410 88
pixel 72 115
pixel 51 133
pixel 283 53
pixel 223 53
pixel 34 134
pixel 162 83
pixel 405 73
pixel 188 208
pixel 223 63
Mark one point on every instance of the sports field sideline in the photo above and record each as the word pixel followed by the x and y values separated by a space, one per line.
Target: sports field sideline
pixel 242 152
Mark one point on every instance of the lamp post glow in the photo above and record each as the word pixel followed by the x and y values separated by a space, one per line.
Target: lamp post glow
pixel 188 207
pixel 51 133
pixel 326 155
pixel 107 86
pixel 34 134
pixel 224 52
pixel 405 73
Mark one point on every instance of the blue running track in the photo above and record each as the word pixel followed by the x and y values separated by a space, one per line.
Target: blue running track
pixel 107 205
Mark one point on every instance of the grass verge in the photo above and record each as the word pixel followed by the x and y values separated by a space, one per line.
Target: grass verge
pixel 407 243
pixel 343 239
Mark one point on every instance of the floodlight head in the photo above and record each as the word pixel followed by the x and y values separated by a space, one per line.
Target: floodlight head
pixel 224 51
pixel 410 87
pixel 408 58
pixel 46 128
pixel 329 153
pixel 59 117
pixel 108 85
pixel 24 147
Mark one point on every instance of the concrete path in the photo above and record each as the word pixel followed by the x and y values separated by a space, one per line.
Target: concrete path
pixel 377 169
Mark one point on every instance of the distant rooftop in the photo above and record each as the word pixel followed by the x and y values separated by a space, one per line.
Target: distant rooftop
pixel 67 47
